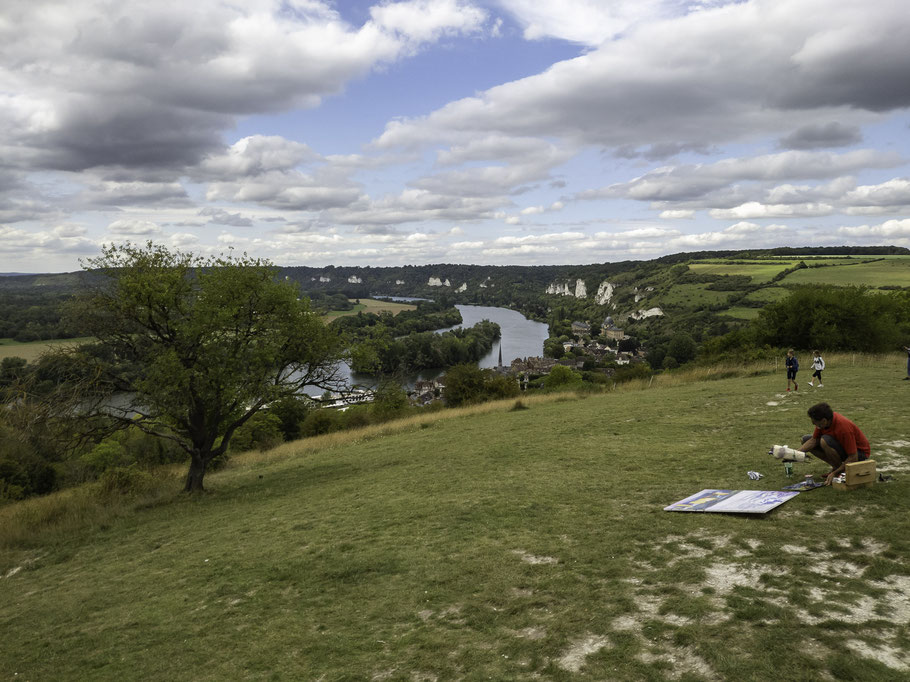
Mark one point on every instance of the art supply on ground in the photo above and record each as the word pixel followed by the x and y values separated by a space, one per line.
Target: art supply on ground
pixel 733 501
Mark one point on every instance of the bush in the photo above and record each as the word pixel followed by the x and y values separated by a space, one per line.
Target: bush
pixel 560 378
pixel 682 348
pixel 291 412
pixel 464 385
pixel 124 481
pixel 468 384
pixel 639 370
pixel 498 386
pixel 356 417
pixel 23 471
pixel 390 401
pixel 321 421
pixel 262 431
pixel 126 448
pixel 107 454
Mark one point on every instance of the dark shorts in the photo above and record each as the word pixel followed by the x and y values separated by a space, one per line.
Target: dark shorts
pixel 837 447
pixel 791 373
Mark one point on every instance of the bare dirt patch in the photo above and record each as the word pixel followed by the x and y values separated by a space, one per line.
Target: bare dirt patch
pixel 574 658
pixel 794 549
pixel 883 653
pixel 833 511
pixel 534 559
pixel 724 577
pixel 682 661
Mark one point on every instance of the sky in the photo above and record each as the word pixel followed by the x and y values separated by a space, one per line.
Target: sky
pixel 500 132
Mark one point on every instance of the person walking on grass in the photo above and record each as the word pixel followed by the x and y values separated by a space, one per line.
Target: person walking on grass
pixel 907 348
pixel 792 368
pixel 836 440
pixel 818 364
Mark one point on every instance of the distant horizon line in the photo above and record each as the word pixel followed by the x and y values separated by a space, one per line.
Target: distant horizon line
pixel 869 251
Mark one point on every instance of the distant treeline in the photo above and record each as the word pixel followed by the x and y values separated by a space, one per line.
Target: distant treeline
pixel 786 251
pixel 28 315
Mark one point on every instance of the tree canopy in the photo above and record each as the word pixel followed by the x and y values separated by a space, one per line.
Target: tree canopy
pixel 190 348
pixel 835 318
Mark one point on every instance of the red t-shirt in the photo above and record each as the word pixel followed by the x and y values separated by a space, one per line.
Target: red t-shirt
pixel 847 434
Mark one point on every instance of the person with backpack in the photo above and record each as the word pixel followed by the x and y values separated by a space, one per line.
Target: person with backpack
pixel 818 364
pixel 792 368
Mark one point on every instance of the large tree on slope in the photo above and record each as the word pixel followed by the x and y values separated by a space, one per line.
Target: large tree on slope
pixel 190 348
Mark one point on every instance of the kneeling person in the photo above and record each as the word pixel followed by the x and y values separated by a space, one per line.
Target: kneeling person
pixel 836 440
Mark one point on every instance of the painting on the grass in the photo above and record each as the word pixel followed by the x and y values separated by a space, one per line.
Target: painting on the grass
pixel 732 501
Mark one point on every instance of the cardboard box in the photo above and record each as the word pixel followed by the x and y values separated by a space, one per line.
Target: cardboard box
pixel 859 475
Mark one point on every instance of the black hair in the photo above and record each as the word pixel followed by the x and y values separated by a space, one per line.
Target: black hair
pixel 821 411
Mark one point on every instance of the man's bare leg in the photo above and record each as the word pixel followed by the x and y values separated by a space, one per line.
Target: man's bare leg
pixel 827 454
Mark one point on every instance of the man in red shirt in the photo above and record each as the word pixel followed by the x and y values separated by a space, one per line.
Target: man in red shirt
pixel 836 440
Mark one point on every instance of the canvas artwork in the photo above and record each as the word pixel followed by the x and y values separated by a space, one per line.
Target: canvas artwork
pixel 733 501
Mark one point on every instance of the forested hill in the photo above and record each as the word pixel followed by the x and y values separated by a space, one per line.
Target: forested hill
pixel 703 292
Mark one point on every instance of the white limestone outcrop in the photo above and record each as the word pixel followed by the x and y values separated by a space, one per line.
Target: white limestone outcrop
pixel 580 290
pixel 563 289
pixel 650 312
pixel 604 293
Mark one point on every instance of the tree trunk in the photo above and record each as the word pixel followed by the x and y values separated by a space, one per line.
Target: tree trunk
pixel 195 475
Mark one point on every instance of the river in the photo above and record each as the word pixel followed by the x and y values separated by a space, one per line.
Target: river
pixel 521 338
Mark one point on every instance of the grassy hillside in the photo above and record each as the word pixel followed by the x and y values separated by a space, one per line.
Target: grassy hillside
pixel 893 271
pixel 493 543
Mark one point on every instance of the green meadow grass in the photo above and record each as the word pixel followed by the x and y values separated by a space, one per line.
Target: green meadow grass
pixel 693 295
pixel 759 272
pixel 767 295
pixel 859 267
pixel 742 312
pixel 489 543
pixel 893 271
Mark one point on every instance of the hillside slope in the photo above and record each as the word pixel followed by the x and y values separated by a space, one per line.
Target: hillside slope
pixel 504 544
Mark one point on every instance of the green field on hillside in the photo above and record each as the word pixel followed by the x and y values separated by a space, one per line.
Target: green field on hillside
pixel 759 272
pixel 369 305
pixel 767 295
pixel 32 350
pixel 692 295
pixel 742 312
pixel 494 544
pixel 893 271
